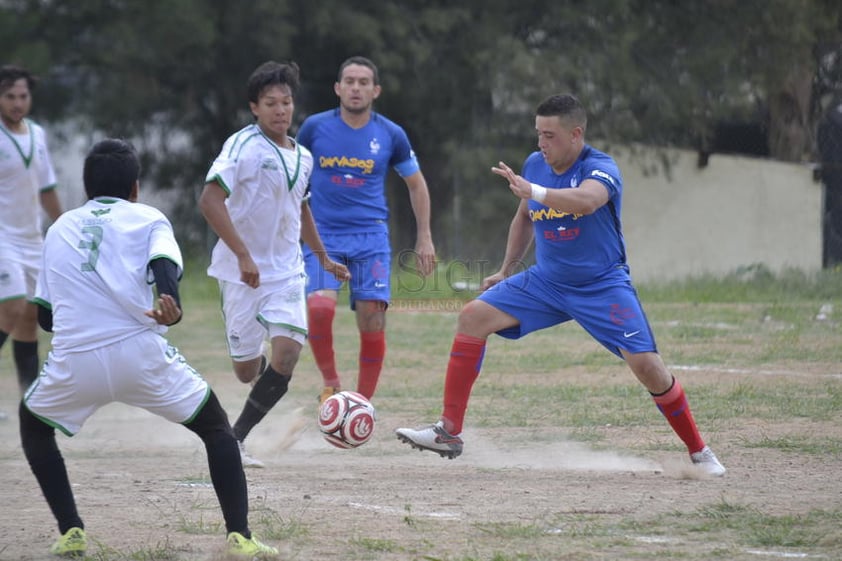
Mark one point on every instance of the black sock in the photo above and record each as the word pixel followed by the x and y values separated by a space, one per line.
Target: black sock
pixel 42 453
pixel 226 471
pixel 268 390
pixel 3 337
pixel 26 361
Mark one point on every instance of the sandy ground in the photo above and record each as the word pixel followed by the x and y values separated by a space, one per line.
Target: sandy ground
pixel 142 489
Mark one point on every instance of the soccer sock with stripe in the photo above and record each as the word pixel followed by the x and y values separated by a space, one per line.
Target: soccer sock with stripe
pixel 321 311
pixel 463 368
pixel 372 351
pixel 674 406
pixel 26 361
pixel 269 389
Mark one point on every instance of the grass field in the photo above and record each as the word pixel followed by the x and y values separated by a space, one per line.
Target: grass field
pixel 566 457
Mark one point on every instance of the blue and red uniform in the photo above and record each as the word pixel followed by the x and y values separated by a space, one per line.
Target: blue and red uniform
pixel 581 272
pixel 348 198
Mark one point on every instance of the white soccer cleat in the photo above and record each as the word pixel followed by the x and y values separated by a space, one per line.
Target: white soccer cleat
pixel 707 462
pixel 247 459
pixel 433 438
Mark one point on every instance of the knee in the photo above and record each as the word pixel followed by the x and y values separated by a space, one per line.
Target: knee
pixel 37 437
pixel 321 308
pixel 472 320
pixel 211 420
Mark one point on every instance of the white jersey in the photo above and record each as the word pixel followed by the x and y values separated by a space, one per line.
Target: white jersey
pixel 265 185
pixel 25 170
pixel 95 272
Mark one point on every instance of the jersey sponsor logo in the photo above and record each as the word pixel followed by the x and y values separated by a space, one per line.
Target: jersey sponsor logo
pixel 603 175
pixel 550 214
pixel 100 212
pixel 561 234
pixel 343 161
pixel 347 180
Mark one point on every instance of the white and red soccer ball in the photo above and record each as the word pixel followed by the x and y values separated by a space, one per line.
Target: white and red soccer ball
pixel 346 419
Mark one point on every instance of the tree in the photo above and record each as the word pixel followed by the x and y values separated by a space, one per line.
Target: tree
pixel 462 77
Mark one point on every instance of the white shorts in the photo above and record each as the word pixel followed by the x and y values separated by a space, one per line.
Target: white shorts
pixel 144 371
pixel 273 309
pixel 19 266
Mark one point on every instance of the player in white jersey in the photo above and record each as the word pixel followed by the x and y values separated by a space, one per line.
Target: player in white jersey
pixel 94 293
pixel 254 199
pixel 27 184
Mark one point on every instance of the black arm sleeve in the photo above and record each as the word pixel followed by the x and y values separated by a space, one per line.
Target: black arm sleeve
pixel 45 318
pixel 166 278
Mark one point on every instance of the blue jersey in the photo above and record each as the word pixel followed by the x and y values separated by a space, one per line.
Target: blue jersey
pixel 349 170
pixel 573 248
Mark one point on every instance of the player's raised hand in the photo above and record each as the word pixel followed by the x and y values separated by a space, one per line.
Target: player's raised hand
pixel 167 312
pixel 519 186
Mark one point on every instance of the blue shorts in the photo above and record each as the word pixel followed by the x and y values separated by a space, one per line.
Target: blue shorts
pixel 608 308
pixel 368 257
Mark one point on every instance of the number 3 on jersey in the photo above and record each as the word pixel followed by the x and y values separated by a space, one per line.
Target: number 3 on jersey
pixel 95 234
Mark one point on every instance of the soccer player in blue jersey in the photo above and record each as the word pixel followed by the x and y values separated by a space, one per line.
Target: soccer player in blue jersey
pixel 570 203
pixel 353 148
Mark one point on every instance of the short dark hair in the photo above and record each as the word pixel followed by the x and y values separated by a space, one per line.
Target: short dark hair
pixel 565 106
pixel 9 74
pixel 111 169
pixel 273 73
pixel 362 61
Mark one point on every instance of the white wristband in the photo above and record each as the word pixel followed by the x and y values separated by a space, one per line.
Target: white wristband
pixel 538 193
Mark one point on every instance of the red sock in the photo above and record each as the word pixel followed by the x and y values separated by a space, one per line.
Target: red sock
pixel 372 351
pixel 673 405
pixel 462 371
pixel 320 312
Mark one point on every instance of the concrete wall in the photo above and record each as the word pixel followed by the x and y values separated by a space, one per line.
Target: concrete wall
pixel 734 212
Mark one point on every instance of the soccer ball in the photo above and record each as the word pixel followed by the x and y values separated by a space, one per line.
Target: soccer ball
pixel 346 419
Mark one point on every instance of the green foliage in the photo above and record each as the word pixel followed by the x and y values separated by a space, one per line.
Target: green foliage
pixel 463 78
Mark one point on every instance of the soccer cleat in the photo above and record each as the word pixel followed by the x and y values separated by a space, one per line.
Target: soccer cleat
pixel 433 438
pixel 707 462
pixel 73 543
pixel 240 546
pixel 247 459
pixel 328 391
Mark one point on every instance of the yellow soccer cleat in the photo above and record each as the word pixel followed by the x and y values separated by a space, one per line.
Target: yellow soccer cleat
pixel 328 391
pixel 73 543
pixel 240 546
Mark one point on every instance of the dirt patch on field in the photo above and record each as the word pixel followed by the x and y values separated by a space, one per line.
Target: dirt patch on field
pixel 516 493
